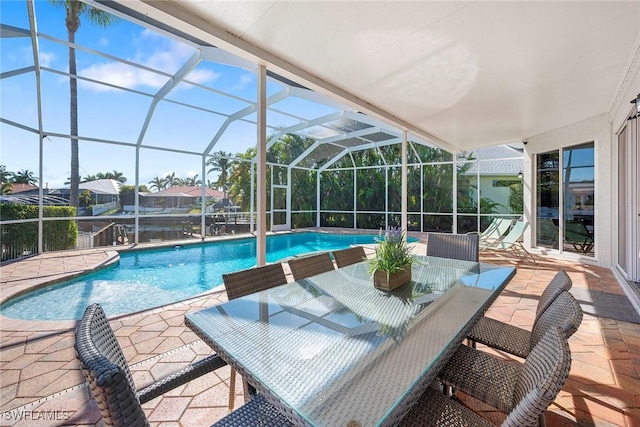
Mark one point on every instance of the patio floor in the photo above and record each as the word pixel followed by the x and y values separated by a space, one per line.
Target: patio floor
pixel 41 383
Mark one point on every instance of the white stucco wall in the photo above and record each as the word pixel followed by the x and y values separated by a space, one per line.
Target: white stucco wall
pixel 598 130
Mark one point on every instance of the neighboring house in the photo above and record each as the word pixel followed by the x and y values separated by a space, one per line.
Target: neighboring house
pixel 25 189
pixel 105 194
pixel 102 190
pixel 29 195
pixel 497 168
pixel 179 197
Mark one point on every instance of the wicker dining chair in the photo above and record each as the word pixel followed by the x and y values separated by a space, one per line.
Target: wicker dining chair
pixel 244 282
pixel 517 341
pixel 111 383
pixel 521 391
pixel 464 247
pixel 352 255
pixel 308 266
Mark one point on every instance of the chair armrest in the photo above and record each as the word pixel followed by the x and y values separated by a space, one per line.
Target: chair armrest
pixel 183 376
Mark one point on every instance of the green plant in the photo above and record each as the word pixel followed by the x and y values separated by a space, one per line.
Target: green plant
pixel 392 253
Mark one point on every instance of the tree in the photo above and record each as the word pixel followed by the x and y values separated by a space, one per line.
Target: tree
pixel 220 163
pixel 127 193
pixel 240 179
pixel 7 188
pixel 158 183
pixel 115 175
pixel 192 181
pixel 516 198
pixel 24 176
pixel 74 11
pixel 85 199
pixel 5 175
pixel 172 180
pixel 5 180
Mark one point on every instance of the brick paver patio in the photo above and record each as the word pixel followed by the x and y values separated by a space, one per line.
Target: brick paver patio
pixel 41 384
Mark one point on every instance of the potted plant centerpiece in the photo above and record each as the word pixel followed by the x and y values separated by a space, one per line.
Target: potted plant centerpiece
pixel 391 266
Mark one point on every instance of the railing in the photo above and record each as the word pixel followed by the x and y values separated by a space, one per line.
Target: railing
pixel 14 251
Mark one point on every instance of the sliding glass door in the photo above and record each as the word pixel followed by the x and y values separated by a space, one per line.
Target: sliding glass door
pixel 565 199
pixel 628 200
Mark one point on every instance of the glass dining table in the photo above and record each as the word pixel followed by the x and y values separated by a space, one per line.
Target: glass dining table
pixel 333 350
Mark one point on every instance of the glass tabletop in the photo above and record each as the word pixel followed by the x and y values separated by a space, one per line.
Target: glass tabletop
pixel 337 350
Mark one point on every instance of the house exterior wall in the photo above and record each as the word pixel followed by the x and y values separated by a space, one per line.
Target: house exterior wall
pixel 599 130
pixel 496 193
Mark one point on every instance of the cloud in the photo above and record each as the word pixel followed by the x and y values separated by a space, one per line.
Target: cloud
pixel 244 81
pixel 46 58
pixel 154 52
pixel 27 53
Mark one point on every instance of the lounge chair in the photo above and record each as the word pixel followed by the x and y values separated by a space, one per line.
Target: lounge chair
pixel 495 230
pixel 349 256
pixel 111 383
pixel 510 242
pixel 245 282
pixel 454 246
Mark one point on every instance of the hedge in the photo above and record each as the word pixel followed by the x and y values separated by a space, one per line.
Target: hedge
pixel 57 235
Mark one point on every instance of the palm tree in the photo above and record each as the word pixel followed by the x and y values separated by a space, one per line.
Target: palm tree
pixel 172 180
pixel 85 199
pixel 5 175
pixel 115 175
pixel 158 183
pixel 24 176
pixel 7 188
pixel 220 163
pixel 192 181
pixel 5 180
pixel 74 11
pixel 240 179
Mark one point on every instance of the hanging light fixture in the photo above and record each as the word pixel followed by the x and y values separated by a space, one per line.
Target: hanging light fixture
pixel 637 102
pixel 520 175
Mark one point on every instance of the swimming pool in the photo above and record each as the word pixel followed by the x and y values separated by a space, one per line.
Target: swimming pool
pixel 151 278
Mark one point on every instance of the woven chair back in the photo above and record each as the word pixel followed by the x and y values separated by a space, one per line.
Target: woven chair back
pixel 560 282
pixel 106 370
pixel 241 283
pixel 349 256
pixel 564 312
pixel 308 266
pixel 541 378
pixel 463 247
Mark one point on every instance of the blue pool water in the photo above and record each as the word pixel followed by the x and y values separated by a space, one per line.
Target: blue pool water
pixel 151 278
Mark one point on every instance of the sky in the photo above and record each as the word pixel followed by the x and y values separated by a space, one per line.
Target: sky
pixel 106 112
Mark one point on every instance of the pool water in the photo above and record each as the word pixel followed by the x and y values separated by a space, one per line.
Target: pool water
pixel 151 278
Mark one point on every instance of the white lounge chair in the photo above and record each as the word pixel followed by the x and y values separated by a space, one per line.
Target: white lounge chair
pixel 510 242
pixel 495 230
